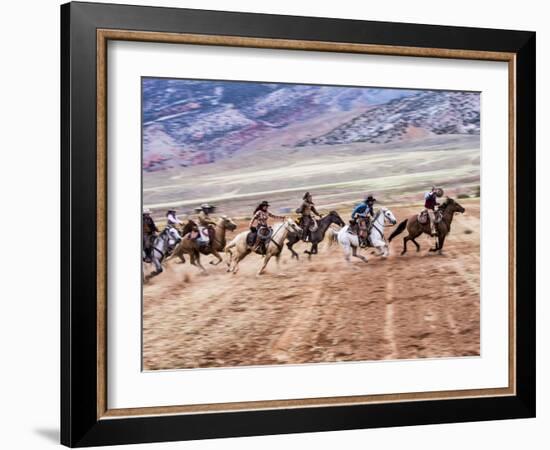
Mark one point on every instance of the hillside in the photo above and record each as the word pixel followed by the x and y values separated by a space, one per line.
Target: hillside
pixel 189 122
pixel 423 114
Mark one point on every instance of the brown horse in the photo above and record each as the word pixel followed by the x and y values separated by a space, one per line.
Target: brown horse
pixel 443 228
pixel 192 248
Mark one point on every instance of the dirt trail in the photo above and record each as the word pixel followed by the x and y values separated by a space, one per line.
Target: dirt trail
pixel 414 306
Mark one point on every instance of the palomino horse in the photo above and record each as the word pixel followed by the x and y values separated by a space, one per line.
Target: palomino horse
pixel 238 248
pixel 350 242
pixel 315 236
pixel 192 248
pixel 443 228
pixel 167 239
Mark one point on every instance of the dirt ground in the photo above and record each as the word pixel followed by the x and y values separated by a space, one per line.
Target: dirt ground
pixel 420 305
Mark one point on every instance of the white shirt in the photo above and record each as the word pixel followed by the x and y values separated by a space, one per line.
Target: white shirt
pixel 172 219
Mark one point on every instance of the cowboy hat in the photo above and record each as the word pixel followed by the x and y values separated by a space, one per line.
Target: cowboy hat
pixel 370 198
pixel 306 195
pixel 264 203
pixel 147 211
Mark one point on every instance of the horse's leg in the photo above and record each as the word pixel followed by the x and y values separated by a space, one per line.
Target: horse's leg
pixel 314 248
pixel 182 258
pixel 405 240
pixel 158 268
pixel 267 257
pixel 289 245
pixel 440 244
pixel 347 251
pixel 230 259
pixel 361 257
pixel 236 260
pixel 416 243
pixel 217 255
pixel 435 248
pixel 381 250
pixel 195 260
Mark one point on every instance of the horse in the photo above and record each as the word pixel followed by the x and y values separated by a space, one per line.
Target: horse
pixel 376 234
pixel 443 228
pixel 238 248
pixel 160 247
pixel 317 235
pixel 193 249
pixel 350 242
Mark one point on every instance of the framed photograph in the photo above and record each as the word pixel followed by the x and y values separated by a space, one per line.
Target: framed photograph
pixel 277 224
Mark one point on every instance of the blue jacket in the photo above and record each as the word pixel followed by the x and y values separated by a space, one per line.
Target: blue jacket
pixel 362 209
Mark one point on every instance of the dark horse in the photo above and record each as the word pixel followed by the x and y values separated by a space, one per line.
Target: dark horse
pixel 443 228
pixel 315 236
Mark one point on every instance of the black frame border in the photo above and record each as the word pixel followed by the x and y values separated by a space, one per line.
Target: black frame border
pixel 79 423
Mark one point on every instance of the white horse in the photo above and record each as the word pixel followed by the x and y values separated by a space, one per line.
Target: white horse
pixel 162 245
pixel 376 234
pixel 350 241
pixel 238 248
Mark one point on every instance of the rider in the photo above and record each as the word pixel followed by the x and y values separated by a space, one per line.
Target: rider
pixel 365 211
pixel 430 202
pixel 307 209
pixel 172 219
pixel 259 221
pixel 150 231
pixel 206 222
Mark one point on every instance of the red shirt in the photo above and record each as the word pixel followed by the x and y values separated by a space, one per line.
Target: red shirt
pixel 431 200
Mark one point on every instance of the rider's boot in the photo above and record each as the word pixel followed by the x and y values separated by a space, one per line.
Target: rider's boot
pixel 256 245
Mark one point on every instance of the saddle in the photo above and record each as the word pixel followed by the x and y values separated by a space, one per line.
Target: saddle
pixel 358 225
pixel 312 223
pixel 261 236
pixel 424 218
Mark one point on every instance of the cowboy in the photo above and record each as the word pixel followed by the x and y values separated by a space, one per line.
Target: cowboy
pixel 259 222
pixel 307 221
pixel 204 220
pixel 361 216
pixel 172 219
pixel 150 231
pixel 430 202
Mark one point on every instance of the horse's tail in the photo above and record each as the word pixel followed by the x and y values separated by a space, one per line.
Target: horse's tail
pixel 399 229
pixel 331 238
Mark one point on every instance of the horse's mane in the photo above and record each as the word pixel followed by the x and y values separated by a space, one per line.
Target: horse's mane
pixel 448 201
